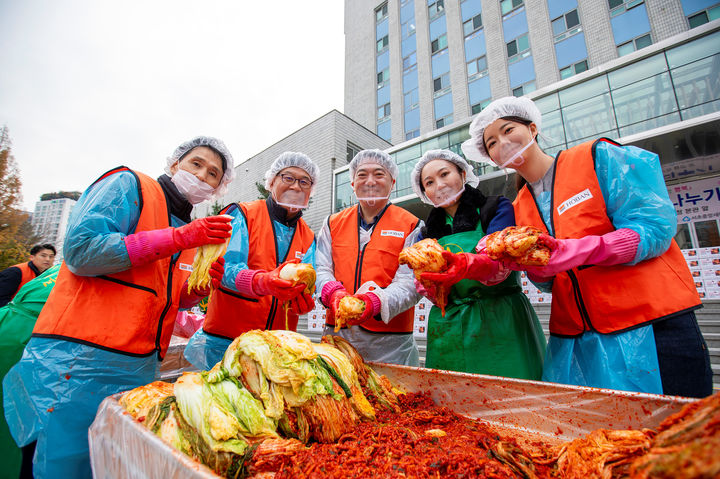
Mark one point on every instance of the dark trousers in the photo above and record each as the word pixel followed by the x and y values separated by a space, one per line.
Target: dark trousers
pixel 683 357
pixel 26 469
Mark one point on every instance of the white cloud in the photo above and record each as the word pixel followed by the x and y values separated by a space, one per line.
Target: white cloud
pixel 88 85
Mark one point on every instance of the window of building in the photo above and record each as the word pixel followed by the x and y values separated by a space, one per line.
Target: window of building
pixel 410 61
pixel 506 6
pixel 478 107
pixel 524 89
pixel 634 44
pixel 412 123
pixel 475 23
pixel 383 130
pixel 704 16
pixel 407 29
pixel 383 76
pixel 571 70
pixel 383 111
pixel 565 22
pixel 439 43
pixel 352 150
pixel 477 66
pixel 518 46
pixel 411 99
pixel 479 93
pixel 407 19
pixel 619 6
pixel 381 12
pixel 443 110
pixel 436 8
pixel 443 121
pixel 412 134
pixel 442 82
pixel 382 43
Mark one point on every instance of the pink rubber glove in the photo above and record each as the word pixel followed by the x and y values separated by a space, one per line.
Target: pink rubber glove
pixel 372 308
pixel 478 267
pixel 616 247
pixel 147 246
pixel 302 303
pixel 327 291
pixel 269 283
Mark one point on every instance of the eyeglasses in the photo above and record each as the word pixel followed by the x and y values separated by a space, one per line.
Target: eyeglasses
pixel 290 179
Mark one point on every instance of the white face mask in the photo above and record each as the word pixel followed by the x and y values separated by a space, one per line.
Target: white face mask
pixel 194 190
pixel 446 197
pixel 511 154
pixel 294 201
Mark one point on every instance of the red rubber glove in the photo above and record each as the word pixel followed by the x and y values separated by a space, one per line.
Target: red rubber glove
pixel 188 299
pixel 370 305
pixel 302 303
pixel 478 267
pixel 202 231
pixel 334 302
pixel 269 282
pixel 217 270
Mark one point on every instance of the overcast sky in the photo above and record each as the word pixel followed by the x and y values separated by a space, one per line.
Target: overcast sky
pixel 86 85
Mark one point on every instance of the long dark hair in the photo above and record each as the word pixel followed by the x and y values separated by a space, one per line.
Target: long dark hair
pixel 519 180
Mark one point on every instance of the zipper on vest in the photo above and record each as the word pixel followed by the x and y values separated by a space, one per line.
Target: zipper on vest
pixel 168 302
pixel 127 283
pixel 358 267
pixel 579 301
pixel 271 316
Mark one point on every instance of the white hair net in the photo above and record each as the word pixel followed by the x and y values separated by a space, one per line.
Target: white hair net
pixel 214 144
pixel 290 159
pixel 447 155
pixel 521 107
pixel 374 156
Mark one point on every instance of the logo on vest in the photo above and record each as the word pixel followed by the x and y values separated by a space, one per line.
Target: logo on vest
pixel 574 201
pixel 185 267
pixel 396 234
pixel 298 255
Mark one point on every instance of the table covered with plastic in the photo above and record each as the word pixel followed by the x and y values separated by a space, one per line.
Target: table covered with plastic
pixel 120 447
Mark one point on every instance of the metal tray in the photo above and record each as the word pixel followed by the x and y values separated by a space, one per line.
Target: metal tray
pixel 120 447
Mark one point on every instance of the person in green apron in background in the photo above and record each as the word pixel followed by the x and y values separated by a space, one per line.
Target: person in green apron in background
pixel 489 326
pixel 17 319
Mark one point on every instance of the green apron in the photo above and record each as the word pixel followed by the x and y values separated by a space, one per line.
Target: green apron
pixel 486 329
pixel 17 320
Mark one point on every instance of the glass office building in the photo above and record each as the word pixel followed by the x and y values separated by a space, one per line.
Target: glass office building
pixel 663 97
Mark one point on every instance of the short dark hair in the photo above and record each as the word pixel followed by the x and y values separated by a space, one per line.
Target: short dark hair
pixel 38 247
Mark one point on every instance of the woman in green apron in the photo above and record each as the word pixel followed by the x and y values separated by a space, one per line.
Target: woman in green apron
pixel 488 328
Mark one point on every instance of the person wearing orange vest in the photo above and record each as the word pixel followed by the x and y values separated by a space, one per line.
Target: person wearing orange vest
pixel 357 255
pixel 42 257
pixel 129 249
pixel 267 234
pixel 623 297
pixel 489 326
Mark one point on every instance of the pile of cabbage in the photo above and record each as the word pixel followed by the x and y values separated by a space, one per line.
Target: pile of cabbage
pixel 272 393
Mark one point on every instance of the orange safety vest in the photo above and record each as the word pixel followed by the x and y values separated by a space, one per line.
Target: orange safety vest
pixel 377 261
pixel 606 299
pixel 131 312
pixel 229 314
pixel 27 274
